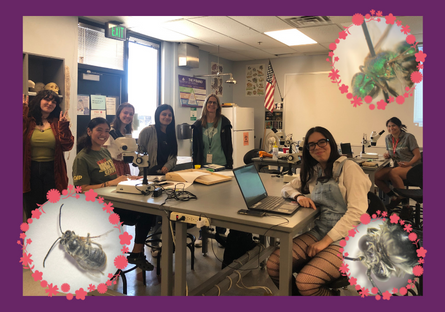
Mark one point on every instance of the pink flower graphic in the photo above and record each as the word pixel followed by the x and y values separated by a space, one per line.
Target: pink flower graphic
pixel 420 56
pixel 365 218
pixel 78 189
pixel 334 74
pixel 24 227
pixel 332 46
pixel 91 288
pixel 342 243
pixel 53 196
pixel 44 284
pixel 124 249
pixel 412 236
pixel 420 66
pixel 381 105
pixel 357 19
pixel 108 207
pixel 400 99
pixel 403 291
pixel 364 292
pixel 410 39
pixel 100 200
pixel 26 259
pixel 405 29
pixel 386 295
pixel 110 275
pixel 402 222
pixel 114 218
pixel 416 77
pixel 69 296
pixel 368 99
pixel 390 20
pixel 28 241
pixel 421 260
pixel 108 283
pixel 65 287
pixel 384 214
pixel 344 88
pixel 37 275
pixel 352 281
pixel 22 236
pixel 395 290
pixel 120 262
pixel 52 290
pixel 102 288
pixel 80 294
pixel 357 101
pixel 36 213
pixel 421 252
pixel 342 35
pixel 351 232
pixel 418 270
pixel 344 268
pixel 372 12
pixel 408 228
pixel 374 290
pixel 394 218
pixel 90 195
pixel 65 192
pixel 399 23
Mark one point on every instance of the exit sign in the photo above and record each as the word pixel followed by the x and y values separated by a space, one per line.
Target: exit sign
pixel 115 31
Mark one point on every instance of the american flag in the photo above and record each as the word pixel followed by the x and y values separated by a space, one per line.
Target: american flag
pixel 270 88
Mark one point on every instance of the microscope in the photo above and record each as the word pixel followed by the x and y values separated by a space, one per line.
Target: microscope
pixel 374 137
pixel 131 154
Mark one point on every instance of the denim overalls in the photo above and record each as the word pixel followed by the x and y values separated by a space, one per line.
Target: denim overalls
pixel 328 198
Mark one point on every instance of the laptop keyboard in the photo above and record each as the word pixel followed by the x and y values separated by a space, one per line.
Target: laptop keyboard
pixel 269 203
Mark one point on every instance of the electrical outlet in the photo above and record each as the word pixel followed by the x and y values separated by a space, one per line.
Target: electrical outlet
pixel 187 218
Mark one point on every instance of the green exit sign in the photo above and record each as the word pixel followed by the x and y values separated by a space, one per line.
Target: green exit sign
pixel 115 31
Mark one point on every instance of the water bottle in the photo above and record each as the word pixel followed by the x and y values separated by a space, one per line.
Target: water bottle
pixel 275 152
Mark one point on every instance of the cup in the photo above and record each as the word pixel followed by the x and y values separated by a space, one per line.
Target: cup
pixel 285 150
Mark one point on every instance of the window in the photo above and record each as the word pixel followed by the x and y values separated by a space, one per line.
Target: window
pixel 94 49
pixel 418 100
pixel 143 80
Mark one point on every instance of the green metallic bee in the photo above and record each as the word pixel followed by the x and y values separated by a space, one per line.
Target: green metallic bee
pixel 386 71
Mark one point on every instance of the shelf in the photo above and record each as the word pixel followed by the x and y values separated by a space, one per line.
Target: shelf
pixel 30 93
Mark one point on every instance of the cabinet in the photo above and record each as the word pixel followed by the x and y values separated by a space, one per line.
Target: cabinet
pixel 274 120
pixel 45 69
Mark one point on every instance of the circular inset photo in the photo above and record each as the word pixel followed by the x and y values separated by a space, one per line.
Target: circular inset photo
pixel 73 244
pixel 381 255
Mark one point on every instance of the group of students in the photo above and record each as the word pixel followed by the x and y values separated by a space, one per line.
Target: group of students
pixel 327 180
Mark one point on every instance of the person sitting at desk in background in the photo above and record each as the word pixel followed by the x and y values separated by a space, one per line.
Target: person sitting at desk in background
pixel 93 168
pixel 120 127
pixel 403 149
pixel 159 141
pixel 337 187
pixel 46 135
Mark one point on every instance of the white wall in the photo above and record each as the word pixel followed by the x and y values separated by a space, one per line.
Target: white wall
pixel 56 36
pixel 333 111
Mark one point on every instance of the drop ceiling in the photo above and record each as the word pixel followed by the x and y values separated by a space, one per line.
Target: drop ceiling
pixel 242 38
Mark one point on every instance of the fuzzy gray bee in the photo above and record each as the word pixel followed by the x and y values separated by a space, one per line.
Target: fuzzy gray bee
pixel 386 252
pixel 87 256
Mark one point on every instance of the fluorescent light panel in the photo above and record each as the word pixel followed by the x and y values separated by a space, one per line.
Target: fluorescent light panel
pixel 290 37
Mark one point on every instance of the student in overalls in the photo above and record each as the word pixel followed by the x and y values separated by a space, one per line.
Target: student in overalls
pixel 338 188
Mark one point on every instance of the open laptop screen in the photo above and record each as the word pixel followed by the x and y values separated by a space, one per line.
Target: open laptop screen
pixel 250 184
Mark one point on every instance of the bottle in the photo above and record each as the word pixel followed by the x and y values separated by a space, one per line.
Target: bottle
pixel 275 152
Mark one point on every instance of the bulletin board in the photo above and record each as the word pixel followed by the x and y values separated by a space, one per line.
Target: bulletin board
pixel 311 99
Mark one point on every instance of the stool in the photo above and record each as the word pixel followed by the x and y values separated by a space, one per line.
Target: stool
pixel 190 246
pixel 124 279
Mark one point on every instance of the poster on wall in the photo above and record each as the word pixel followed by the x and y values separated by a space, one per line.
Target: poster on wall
pixel 192 91
pixel 95 113
pixel 111 105
pixel 255 80
pixel 83 104
pixel 216 82
pixel 98 101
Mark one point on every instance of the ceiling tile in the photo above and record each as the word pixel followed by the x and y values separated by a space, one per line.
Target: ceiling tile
pixel 322 33
pixel 262 23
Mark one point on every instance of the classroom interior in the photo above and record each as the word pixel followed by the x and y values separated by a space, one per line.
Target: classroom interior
pixel 305 91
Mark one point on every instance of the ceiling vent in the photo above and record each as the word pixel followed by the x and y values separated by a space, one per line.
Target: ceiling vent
pixel 309 21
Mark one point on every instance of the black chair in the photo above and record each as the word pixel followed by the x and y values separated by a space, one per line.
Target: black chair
pixel 414 178
pixel 154 238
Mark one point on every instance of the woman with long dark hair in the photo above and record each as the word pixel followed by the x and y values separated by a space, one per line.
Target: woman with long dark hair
pixel 121 126
pixel 159 141
pixel 46 135
pixel 93 168
pixel 402 148
pixel 338 188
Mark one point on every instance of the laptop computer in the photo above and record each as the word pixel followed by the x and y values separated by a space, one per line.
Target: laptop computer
pixel 255 195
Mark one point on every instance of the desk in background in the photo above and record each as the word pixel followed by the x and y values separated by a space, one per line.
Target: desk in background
pixel 260 162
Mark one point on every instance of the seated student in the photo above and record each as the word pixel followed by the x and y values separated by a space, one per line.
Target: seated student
pixel 93 168
pixel 403 149
pixel 338 188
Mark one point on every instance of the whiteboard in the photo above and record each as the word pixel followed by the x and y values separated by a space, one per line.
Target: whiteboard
pixel 311 99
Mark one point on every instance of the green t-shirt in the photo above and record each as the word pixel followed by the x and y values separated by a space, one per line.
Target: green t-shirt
pixel 95 167
pixel 212 144
pixel 43 145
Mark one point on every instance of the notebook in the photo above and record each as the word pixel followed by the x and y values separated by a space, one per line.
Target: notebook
pixel 255 195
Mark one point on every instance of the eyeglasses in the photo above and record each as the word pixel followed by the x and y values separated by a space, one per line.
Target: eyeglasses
pixel 320 143
pixel 212 102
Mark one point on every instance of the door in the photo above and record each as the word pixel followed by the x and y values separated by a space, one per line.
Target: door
pixel 94 80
